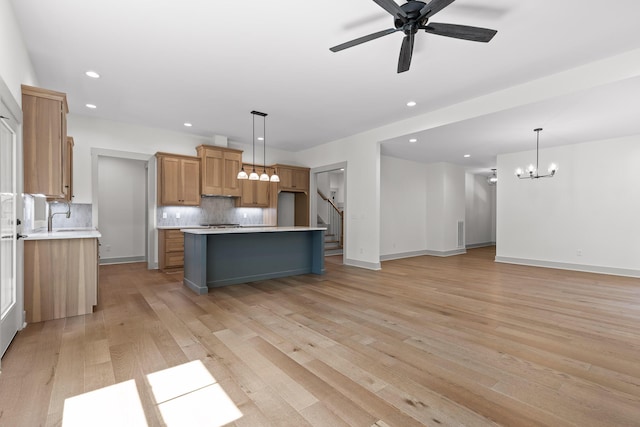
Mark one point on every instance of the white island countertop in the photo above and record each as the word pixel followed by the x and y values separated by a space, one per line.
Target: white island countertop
pixel 64 233
pixel 246 230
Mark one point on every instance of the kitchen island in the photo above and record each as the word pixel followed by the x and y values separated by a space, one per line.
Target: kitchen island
pixel 225 256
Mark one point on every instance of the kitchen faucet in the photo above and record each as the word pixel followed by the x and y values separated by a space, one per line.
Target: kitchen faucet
pixel 51 213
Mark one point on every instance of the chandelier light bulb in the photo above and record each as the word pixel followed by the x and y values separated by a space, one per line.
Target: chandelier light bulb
pixel 519 172
pixel 553 168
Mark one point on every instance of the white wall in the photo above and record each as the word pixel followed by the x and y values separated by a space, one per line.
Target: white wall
pixel 362 222
pixel 403 202
pixel 445 206
pixel 584 218
pixel 122 203
pixel 15 65
pixel 480 210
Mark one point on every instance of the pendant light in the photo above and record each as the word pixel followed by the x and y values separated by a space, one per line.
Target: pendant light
pixel 253 176
pixel 532 171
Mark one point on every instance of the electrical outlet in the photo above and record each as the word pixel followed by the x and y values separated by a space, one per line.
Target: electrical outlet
pixel 177 215
pixel 245 215
pixel 164 215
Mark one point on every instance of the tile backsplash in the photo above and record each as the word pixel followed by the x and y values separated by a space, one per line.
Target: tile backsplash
pixel 212 210
pixel 35 214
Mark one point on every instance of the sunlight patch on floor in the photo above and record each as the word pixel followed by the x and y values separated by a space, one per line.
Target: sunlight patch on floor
pixel 185 395
pixel 189 395
pixel 116 405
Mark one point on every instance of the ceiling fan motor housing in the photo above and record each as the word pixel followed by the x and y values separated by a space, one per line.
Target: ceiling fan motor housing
pixel 410 25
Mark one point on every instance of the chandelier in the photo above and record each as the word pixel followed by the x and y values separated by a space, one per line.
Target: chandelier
pixel 532 171
pixel 254 175
pixel 493 178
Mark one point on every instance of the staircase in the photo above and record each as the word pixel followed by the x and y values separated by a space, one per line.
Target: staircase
pixel 332 244
pixel 333 237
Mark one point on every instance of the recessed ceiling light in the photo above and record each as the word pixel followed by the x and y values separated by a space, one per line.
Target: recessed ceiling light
pixel 412 140
pixel 260 138
pixel 93 107
pixel 93 74
pixel 466 156
pixel 411 104
pixel 188 125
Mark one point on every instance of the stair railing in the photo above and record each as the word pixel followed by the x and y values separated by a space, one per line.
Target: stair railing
pixel 335 224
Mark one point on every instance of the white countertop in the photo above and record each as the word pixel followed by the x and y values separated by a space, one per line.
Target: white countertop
pixel 64 233
pixel 179 227
pixel 245 230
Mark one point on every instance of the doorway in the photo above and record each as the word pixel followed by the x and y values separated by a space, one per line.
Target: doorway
pixel 328 206
pixel 123 190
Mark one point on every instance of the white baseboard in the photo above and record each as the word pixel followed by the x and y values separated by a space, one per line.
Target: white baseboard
pixel 122 260
pixel 362 264
pixel 570 266
pixel 480 245
pixel 412 254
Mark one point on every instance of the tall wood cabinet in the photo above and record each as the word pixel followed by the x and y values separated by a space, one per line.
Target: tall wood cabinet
pixel 45 142
pixel 178 180
pixel 220 167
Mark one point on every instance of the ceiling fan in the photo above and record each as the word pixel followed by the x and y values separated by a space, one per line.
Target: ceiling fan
pixel 414 16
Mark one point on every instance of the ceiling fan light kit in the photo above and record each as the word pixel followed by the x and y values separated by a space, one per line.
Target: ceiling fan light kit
pixel 412 17
pixel 532 171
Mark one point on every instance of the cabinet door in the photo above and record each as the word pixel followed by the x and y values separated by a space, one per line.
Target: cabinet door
pixel 169 182
pixel 232 164
pixel 67 176
pixel 212 171
pixel 300 179
pixel 190 182
pixel 44 135
pixel 286 178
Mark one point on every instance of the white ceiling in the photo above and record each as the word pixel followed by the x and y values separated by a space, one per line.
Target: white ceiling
pixel 166 62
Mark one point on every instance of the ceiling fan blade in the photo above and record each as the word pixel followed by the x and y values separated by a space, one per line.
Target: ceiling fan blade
pixel 393 8
pixel 406 51
pixel 464 32
pixel 363 39
pixel 434 7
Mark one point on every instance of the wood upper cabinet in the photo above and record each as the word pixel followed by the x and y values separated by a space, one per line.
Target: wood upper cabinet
pixel 178 180
pixel 67 172
pixel 255 194
pixel 292 178
pixel 220 167
pixel 44 141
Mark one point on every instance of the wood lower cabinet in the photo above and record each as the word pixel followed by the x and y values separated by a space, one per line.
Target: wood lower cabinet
pixel 44 141
pixel 170 249
pixel 60 278
pixel 255 194
pixel 178 180
pixel 220 167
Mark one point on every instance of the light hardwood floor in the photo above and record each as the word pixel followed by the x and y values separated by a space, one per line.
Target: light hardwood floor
pixel 426 341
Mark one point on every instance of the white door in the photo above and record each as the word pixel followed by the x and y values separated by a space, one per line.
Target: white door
pixel 9 308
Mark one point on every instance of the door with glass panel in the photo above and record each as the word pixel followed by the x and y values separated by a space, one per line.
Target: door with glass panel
pixel 9 307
